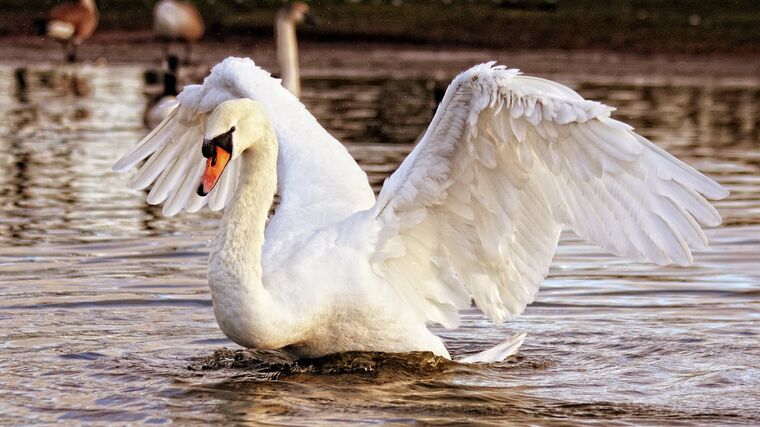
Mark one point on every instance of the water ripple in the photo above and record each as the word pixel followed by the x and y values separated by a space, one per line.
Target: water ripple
pixel 104 302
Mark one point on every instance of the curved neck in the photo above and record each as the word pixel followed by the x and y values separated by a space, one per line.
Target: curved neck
pixel 242 305
pixel 287 53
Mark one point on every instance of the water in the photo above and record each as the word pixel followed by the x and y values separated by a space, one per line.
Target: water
pixel 104 305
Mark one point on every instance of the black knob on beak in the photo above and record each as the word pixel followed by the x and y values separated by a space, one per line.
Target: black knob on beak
pixel 208 148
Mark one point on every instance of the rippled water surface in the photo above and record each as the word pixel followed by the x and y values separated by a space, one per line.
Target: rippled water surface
pixel 104 305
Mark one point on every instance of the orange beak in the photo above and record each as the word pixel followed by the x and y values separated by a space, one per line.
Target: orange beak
pixel 215 165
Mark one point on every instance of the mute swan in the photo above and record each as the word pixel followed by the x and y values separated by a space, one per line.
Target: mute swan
pixel 475 210
pixel 72 24
pixel 287 48
pixel 160 107
pixel 177 21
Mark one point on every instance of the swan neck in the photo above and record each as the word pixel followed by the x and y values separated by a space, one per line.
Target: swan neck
pixel 89 4
pixel 241 234
pixel 242 305
pixel 287 53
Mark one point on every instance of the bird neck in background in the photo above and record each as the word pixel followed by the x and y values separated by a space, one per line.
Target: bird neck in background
pixel 89 4
pixel 170 85
pixel 287 53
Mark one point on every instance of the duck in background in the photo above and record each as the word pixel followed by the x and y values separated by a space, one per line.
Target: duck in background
pixel 160 106
pixel 177 21
pixel 287 47
pixel 71 24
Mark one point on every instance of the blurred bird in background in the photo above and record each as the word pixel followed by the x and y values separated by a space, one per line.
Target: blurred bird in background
pixel 161 105
pixel 177 21
pixel 287 47
pixel 71 24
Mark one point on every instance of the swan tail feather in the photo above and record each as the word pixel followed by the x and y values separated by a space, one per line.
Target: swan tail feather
pixel 499 352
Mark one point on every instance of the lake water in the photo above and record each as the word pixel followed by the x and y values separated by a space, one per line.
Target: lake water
pixel 104 303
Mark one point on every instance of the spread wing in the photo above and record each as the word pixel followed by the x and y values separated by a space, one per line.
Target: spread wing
pixel 508 160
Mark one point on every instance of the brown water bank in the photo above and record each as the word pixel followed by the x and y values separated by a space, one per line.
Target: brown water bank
pixel 401 60
pixel 643 26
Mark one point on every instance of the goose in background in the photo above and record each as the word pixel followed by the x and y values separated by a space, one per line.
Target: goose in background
pixel 160 106
pixel 71 24
pixel 473 213
pixel 178 21
pixel 286 20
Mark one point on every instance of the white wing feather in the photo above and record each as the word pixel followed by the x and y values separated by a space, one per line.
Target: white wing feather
pixel 175 163
pixel 477 207
pixel 318 180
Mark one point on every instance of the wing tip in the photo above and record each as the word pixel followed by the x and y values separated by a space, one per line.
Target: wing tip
pixel 122 165
pixel 169 211
pixel 721 192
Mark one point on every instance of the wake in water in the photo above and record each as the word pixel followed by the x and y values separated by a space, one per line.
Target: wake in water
pixel 373 381
pixel 273 364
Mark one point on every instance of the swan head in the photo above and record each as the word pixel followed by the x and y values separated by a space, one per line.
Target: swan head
pixel 298 13
pixel 233 127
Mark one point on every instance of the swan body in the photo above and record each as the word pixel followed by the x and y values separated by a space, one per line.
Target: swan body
pixel 473 213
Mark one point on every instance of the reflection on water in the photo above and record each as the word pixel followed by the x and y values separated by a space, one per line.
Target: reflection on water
pixel 103 302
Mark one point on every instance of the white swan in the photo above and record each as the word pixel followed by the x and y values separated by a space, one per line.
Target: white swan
pixel 475 211
pixel 287 48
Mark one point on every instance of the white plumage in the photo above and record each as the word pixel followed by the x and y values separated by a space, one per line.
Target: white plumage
pixel 474 212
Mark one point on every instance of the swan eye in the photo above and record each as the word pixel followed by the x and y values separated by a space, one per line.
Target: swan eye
pixel 223 141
